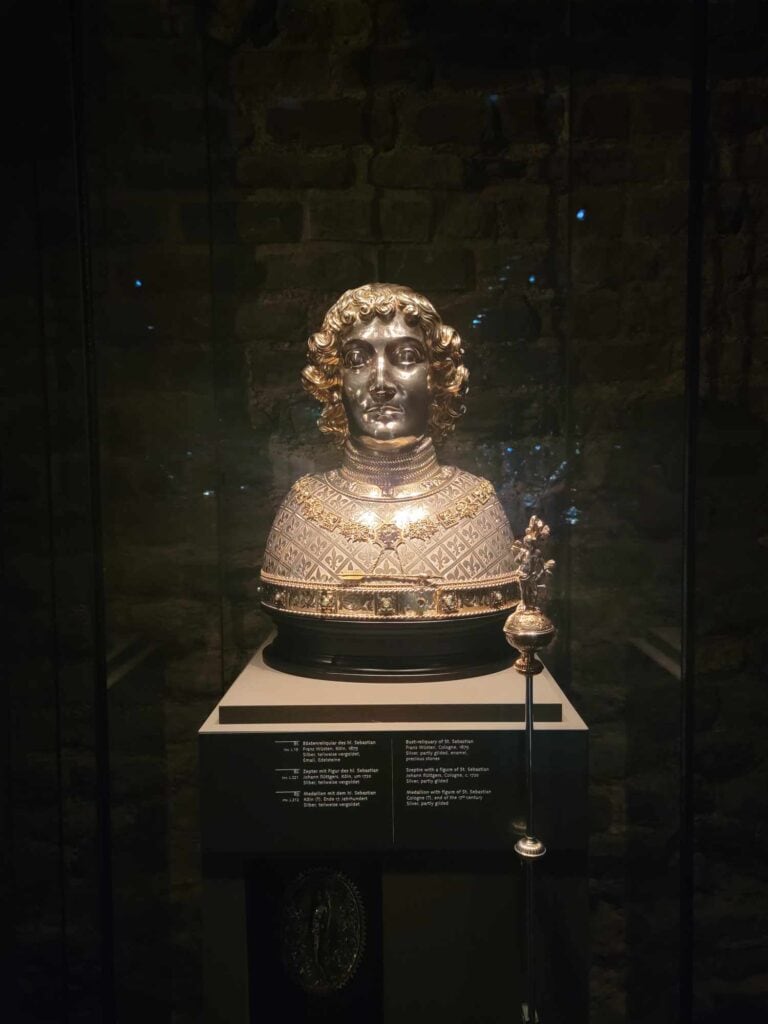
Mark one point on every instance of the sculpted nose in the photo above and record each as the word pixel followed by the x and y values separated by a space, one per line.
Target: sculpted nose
pixel 379 385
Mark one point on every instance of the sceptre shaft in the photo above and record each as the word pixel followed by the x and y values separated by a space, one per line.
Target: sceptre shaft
pixel 529 630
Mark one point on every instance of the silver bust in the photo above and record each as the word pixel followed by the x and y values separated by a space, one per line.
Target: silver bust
pixel 391 534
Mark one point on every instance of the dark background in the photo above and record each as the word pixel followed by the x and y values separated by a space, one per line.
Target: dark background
pixel 186 189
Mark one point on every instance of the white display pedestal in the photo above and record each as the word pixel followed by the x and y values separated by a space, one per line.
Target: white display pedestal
pixel 418 787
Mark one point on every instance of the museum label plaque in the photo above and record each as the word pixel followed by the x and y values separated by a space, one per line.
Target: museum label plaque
pixel 378 791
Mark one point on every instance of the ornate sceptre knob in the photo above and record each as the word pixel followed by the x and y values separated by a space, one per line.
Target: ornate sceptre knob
pixel 529 630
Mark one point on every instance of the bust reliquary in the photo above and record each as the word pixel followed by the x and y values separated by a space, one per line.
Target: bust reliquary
pixel 392 565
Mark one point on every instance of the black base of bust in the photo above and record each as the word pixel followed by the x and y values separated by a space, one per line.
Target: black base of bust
pixel 367 651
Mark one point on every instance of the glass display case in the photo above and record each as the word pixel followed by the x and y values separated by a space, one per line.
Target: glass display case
pixel 581 189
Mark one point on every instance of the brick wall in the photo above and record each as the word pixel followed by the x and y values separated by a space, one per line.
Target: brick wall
pixel 729 754
pixel 527 169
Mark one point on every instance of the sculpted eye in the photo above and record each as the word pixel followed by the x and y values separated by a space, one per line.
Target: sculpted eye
pixel 354 357
pixel 408 355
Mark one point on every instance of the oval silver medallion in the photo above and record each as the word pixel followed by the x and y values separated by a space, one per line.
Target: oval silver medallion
pixel 322 930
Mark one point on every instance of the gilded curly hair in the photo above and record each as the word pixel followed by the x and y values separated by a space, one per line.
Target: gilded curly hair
pixel 448 376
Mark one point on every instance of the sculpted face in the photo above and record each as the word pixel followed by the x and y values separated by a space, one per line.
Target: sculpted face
pixel 385 382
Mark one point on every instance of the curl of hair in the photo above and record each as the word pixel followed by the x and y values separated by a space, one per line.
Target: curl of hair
pixel 448 375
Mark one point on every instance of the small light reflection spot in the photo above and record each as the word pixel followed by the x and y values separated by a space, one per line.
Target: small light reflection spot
pixel 531 279
pixel 581 214
pixel 572 515
pixel 208 494
pixel 150 327
pixel 537 447
pixel 138 283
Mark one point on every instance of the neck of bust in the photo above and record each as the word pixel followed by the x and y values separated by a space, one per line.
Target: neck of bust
pixel 388 468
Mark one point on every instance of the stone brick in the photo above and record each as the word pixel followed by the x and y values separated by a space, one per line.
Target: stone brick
pixel 596 262
pixel 351 23
pixel 604 212
pixel 430 269
pixel 303 22
pixel 484 171
pixel 607 755
pixel 339 217
pixel 392 20
pixel 595 314
pixel 750 161
pixel 503 262
pixel 601 809
pixel 324 269
pixel 593 164
pixel 733 206
pixel 276 221
pixel 523 116
pixel 405 220
pixel 657 211
pixel 267 73
pixel 417 168
pixel 467 217
pixel 478 53
pixel 393 66
pixel 326 26
pixel 621 362
pixel 317 122
pixel 662 111
pixel 522 213
pixel 382 122
pixel 462 122
pixel 604 115
pixel 350 75
pixel 280 169
pixel 739 113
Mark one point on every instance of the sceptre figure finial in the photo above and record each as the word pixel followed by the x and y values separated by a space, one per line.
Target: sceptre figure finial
pixel 528 628
pixel 531 568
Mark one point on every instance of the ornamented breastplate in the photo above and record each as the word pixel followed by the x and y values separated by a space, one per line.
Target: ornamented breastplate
pixel 399 538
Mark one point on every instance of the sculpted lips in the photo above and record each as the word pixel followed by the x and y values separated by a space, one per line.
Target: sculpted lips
pixel 376 412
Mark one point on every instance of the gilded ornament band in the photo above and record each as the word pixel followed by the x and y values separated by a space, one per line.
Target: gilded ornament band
pixel 388 534
pixel 390 599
